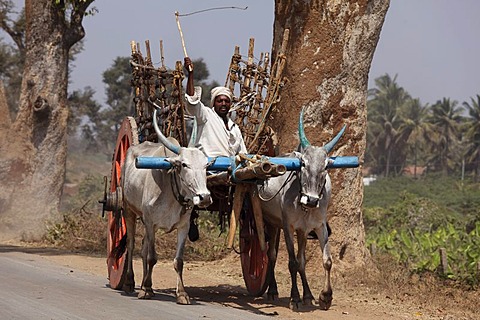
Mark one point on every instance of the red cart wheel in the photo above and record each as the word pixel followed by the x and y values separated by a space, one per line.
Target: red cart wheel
pixel 254 261
pixel 116 232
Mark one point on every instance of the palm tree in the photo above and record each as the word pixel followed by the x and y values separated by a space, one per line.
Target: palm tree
pixel 384 120
pixel 446 118
pixel 414 129
pixel 472 135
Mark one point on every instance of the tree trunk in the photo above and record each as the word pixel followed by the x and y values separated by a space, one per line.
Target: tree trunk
pixel 329 55
pixel 32 167
pixel 4 111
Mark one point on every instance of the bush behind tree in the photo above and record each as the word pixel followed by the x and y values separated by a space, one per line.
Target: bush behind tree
pixel 412 219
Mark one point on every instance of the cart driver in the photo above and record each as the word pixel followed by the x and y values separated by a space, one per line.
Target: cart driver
pixel 217 134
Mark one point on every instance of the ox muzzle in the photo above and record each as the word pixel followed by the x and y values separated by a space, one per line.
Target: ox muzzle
pixel 309 201
pixel 202 200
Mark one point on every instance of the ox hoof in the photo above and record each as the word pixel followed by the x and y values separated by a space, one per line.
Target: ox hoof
pixel 325 301
pixel 146 294
pixel 308 302
pixel 183 299
pixel 294 305
pixel 272 296
pixel 128 288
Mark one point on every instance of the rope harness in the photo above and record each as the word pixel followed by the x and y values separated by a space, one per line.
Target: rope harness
pixel 290 176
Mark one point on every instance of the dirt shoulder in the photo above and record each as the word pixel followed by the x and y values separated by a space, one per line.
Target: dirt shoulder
pixel 357 297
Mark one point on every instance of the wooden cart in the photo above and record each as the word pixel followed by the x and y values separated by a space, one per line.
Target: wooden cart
pixel 257 88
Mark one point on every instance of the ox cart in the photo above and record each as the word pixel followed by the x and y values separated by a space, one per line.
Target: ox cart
pixel 256 87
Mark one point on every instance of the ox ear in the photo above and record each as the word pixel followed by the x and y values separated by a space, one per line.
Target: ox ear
pixel 193 136
pixel 301 132
pixel 329 146
pixel 174 161
pixel 169 145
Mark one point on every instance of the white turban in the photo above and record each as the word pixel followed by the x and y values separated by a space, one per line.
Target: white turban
pixel 218 91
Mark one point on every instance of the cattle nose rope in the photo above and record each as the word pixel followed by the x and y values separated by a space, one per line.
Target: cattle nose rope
pixel 320 195
pixel 278 191
pixel 176 190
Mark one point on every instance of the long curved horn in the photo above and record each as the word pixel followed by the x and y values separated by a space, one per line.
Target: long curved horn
pixel 170 146
pixel 193 136
pixel 329 146
pixel 301 132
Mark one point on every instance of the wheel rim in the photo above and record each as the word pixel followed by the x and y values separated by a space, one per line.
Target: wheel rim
pixel 116 229
pixel 254 261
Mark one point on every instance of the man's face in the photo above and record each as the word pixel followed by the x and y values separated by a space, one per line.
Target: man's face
pixel 222 105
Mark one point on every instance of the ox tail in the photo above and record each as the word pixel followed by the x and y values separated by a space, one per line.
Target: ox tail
pixel 118 251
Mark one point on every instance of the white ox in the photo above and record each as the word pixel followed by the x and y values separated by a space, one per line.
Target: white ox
pixel 162 200
pixel 297 203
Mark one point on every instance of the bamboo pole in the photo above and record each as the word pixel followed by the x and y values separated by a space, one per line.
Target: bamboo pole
pixel 240 191
pixel 258 215
pixel 162 57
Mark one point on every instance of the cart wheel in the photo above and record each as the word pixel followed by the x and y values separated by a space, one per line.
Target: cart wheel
pixel 254 261
pixel 116 232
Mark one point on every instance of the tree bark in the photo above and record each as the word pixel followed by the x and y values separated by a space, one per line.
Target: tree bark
pixel 329 55
pixel 32 167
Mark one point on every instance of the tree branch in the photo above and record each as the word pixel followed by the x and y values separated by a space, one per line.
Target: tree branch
pixel 6 8
pixel 76 32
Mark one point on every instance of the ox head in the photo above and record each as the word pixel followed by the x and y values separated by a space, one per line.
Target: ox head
pixel 189 168
pixel 314 162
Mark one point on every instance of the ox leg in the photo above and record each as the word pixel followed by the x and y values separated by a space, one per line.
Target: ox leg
pixel 131 222
pixel 302 244
pixel 182 296
pixel 149 259
pixel 292 267
pixel 326 295
pixel 273 242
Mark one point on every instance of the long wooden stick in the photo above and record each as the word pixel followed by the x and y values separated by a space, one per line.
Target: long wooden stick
pixel 181 37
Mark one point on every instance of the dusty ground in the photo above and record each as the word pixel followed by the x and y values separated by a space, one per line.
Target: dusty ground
pixel 389 295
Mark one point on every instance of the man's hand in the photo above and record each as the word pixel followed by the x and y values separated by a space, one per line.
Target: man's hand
pixel 188 64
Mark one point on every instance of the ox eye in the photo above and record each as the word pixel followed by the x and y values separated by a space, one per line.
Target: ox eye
pixel 184 165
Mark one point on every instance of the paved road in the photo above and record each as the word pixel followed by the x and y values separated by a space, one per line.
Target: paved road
pixel 34 288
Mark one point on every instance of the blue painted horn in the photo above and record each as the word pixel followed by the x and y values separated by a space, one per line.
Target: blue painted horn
pixel 301 132
pixel 329 146
pixel 304 141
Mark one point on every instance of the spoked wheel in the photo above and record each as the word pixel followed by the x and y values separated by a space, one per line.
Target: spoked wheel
pixel 117 231
pixel 254 261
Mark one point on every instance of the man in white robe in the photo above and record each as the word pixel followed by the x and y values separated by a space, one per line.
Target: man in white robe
pixel 217 134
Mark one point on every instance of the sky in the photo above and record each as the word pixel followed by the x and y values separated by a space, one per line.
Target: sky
pixel 432 46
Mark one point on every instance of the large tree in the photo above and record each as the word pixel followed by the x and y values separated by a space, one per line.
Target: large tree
pixel 329 55
pixel 33 146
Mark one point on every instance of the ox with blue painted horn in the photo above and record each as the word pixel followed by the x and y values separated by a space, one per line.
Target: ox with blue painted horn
pixel 162 199
pixel 297 203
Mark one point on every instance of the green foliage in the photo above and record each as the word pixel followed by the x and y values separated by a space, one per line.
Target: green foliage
pixel 212 243
pixel 413 219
